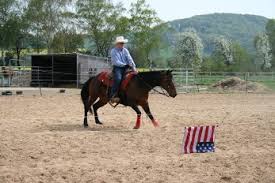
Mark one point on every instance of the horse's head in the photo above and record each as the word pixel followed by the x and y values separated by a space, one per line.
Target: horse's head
pixel 166 82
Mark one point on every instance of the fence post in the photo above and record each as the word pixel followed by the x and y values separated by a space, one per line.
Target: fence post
pixel 186 80
pixel 39 82
pixel 9 80
pixel 52 71
pixel 246 78
pixel 78 72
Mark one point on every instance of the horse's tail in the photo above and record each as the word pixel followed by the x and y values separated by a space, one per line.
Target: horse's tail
pixel 85 93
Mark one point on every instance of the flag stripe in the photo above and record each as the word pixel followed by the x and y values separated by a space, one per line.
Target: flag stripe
pixel 184 140
pixel 196 139
pixel 209 134
pixel 187 139
pixel 206 133
pixel 203 133
pixel 213 134
pixel 193 139
pixel 200 132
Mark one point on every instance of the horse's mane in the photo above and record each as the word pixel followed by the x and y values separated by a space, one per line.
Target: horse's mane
pixel 150 73
pixel 152 77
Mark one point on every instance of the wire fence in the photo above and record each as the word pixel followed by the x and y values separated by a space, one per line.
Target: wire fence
pixel 189 81
pixel 184 79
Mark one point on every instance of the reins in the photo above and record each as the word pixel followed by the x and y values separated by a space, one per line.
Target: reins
pixel 153 88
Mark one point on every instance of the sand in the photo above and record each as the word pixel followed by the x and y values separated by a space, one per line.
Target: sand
pixel 42 140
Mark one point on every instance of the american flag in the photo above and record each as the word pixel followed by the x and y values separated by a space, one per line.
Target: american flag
pixel 199 139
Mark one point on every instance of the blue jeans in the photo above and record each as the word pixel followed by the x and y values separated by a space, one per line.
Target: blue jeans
pixel 118 74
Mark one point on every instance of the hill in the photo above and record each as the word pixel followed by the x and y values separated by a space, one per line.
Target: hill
pixel 237 27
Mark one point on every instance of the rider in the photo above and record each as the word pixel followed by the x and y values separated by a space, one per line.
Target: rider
pixel 121 60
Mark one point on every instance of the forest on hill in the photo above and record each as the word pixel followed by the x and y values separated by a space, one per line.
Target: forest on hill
pixel 237 27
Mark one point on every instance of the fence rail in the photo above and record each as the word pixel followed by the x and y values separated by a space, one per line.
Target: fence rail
pixel 185 80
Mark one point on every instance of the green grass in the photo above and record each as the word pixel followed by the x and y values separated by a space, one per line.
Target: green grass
pixel 207 80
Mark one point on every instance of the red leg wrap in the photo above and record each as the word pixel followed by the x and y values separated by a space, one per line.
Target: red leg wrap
pixel 155 123
pixel 138 122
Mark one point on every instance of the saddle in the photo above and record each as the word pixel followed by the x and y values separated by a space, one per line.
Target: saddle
pixel 106 78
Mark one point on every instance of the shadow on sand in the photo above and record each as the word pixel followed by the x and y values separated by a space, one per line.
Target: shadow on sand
pixel 80 128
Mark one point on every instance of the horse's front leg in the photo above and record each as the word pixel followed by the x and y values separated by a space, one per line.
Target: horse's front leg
pixel 146 108
pixel 138 122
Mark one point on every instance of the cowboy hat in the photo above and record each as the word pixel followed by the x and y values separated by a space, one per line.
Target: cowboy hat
pixel 120 39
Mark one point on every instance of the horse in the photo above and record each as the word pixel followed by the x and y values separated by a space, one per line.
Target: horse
pixel 135 93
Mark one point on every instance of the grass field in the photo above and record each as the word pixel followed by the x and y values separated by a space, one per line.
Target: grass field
pixel 208 79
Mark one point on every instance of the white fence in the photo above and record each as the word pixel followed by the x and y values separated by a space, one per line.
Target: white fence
pixel 189 81
pixel 185 80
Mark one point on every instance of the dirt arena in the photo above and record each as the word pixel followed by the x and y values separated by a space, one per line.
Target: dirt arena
pixel 42 140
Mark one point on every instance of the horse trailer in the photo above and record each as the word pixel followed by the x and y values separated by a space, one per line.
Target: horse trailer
pixel 74 69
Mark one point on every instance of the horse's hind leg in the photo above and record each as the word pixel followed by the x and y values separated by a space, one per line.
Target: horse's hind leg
pixel 96 106
pixel 138 122
pixel 85 122
pixel 146 108
pixel 87 107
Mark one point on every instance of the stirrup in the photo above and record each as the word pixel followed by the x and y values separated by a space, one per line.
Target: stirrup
pixel 114 102
pixel 113 105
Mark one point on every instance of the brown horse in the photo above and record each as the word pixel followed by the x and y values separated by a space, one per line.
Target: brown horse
pixel 135 94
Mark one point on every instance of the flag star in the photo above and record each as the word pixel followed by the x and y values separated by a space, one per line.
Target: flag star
pixel 207 144
pixel 202 145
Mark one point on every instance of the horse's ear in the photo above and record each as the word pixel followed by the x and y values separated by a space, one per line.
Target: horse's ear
pixel 169 71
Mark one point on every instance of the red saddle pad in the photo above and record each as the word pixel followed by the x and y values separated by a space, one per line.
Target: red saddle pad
pixel 106 78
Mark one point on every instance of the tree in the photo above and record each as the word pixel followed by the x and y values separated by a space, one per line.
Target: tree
pixel 223 50
pixel 263 57
pixel 102 20
pixel 67 41
pixel 14 26
pixel 189 50
pixel 145 32
pixel 242 60
pixel 270 31
pixel 18 35
pixel 6 11
pixel 46 18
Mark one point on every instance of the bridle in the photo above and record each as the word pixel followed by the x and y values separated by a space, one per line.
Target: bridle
pixel 163 92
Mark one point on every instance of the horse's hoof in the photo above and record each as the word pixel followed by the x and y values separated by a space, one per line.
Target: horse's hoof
pixel 136 127
pixel 86 126
pixel 99 123
pixel 156 124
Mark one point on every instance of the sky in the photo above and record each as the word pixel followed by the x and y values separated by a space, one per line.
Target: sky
pixel 177 9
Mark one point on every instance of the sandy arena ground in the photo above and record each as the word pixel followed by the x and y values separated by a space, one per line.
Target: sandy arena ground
pixel 42 140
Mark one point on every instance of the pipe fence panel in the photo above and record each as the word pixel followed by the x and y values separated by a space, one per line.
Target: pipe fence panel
pixel 185 80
